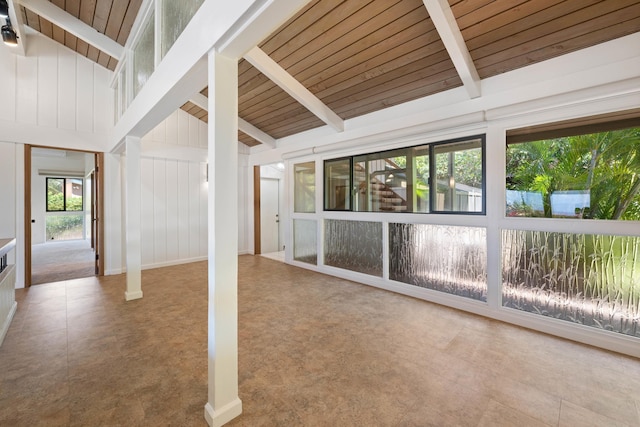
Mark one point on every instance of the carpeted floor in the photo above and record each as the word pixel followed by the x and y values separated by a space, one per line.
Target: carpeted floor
pixel 61 260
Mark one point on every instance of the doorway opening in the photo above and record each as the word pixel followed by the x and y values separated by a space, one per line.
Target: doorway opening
pixel 63 230
pixel 269 194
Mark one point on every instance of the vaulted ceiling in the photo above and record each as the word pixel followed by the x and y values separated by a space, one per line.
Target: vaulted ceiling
pixel 361 56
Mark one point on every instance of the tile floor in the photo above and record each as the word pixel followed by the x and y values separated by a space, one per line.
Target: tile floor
pixel 313 351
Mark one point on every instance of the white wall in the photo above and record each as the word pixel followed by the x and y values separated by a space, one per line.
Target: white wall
pixel 8 194
pixel 174 211
pixel 54 97
pixel 50 97
pixel 172 152
pixel 174 191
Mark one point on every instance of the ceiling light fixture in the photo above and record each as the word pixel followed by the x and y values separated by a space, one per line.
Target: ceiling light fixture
pixel 9 36
pixel 4 9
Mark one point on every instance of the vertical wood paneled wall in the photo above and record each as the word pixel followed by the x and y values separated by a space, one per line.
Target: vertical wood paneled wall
pixel 174 192
pixel 174 211
pixel 55 87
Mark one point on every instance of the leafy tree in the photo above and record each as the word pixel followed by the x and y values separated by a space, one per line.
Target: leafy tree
pixel 605 164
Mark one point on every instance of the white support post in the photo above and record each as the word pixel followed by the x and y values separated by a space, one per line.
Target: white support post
pixel 132 218
pixel 223 403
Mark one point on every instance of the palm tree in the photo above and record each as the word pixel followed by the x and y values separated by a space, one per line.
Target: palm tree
pixel 606 165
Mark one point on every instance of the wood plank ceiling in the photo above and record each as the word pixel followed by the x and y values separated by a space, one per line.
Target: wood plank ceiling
pixel 113 18
pixel 361 56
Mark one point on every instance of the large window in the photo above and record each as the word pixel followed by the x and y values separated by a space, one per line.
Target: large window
pixel 445 177
pixel 64 197
pixel 589 175
pixel 64 194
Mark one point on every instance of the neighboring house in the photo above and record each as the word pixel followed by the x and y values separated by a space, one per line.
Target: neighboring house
pixel 303 98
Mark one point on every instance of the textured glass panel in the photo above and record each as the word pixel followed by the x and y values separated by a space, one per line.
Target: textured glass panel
pixel 122 91
pixel 304 193
pixel 143 57
pixel 459 177
pixel 337 184
pixel 448 259
pixel 305 239
pixel 175 17
pixel 354 245
pixel 589 279
pixel 116 102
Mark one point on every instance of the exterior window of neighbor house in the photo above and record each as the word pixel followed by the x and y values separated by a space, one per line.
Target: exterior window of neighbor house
pixel 572 175
pixel 443 177
pixel 64 206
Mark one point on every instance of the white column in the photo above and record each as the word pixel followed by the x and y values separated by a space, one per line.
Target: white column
pixel 223 402
pixel 132 219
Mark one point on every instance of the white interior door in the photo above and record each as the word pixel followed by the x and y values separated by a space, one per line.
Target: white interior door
pixel 269 215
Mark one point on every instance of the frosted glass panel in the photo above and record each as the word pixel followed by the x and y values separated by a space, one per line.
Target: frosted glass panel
pixel 304 197
pixel 143 57
pixel 353 245
pixel 305 237
pixel 122 91
pixel 592 280
pixel 443 258
pixel 175 17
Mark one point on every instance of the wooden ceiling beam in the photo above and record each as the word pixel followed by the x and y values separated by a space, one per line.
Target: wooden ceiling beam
pixel 203 102
pixel 446 25
pixel 267 66
pixel 74 26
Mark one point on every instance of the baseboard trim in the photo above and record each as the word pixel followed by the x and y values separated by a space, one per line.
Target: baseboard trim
pixel 7 322
pixel 129 296
pixel 223 415
pixel 174 262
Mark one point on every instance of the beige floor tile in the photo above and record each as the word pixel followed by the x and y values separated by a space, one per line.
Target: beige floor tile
pixel 526 399
pixel 313 351
pixel 499 415
pixel 572 415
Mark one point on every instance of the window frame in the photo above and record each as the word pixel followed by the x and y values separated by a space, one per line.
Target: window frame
pixel 64 194
pixel 425 149
pixel 325 180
